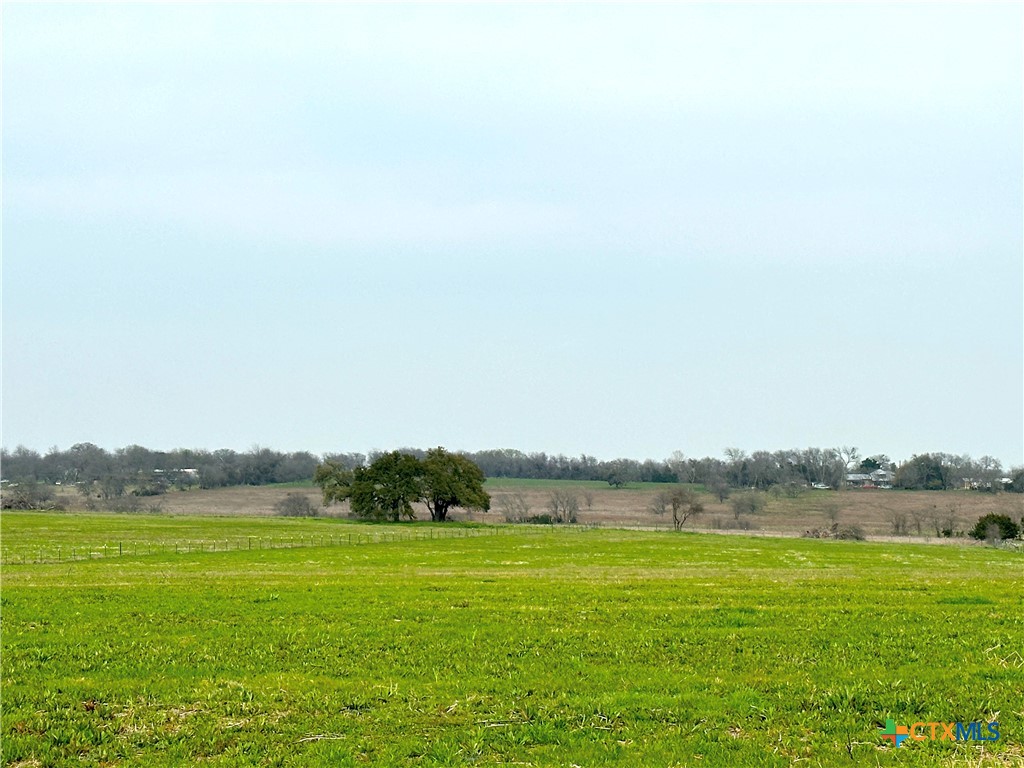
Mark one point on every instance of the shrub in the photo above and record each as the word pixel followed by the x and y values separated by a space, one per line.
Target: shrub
pixel 27 494
pixel 994 526
pixel 850 533
pixel 845 533
pixel 296 505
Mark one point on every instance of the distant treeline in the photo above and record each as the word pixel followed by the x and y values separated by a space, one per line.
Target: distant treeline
pixel 144 472
pixel 828 467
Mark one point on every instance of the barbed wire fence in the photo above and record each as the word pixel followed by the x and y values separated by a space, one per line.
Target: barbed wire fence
pixel 29 554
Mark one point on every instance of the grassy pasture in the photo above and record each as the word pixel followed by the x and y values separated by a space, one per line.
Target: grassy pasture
pixel 53 537
pixel 596 647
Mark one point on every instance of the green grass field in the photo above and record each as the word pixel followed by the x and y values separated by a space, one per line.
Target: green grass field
pixel 34 537
pixel 590 647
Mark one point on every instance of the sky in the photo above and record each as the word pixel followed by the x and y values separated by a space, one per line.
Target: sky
pixel 620 230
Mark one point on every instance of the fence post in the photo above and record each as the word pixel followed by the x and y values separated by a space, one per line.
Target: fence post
pixel 120 551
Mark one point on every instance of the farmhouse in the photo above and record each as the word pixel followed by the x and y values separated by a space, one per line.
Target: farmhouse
pixel 879 478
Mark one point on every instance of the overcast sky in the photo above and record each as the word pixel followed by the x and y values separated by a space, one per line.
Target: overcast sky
pixel 608 229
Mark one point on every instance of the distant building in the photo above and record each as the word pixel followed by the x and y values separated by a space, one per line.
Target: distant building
pixel 879 478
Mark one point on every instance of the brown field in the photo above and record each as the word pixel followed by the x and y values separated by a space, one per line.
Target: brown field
pixel 874 511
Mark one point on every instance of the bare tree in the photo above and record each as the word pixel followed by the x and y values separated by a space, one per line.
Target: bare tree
pixel 659 504
pixel 564 506
pixel 685 504
pixel 678 464
pixel 917 517
pixel 951 521
pixel 831 511
pixel 898 522
pixel 849 455
pixel 514 506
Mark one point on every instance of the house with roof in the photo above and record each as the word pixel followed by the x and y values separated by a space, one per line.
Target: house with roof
pixel 879 478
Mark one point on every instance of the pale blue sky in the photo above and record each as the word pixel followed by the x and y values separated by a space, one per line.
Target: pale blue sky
pixel 608 229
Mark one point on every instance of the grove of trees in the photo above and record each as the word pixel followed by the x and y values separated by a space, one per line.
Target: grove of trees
pixel 387 488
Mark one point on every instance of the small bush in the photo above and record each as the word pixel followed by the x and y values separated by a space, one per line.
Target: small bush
pixel 845 533
pixel 994 526
pixel 296 505
pixel 850 533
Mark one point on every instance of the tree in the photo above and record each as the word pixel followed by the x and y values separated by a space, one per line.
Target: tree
pixel 387 489
pixel 564 506
pixel 719 488
pixel 393 482
pixel 994 527
pixel 452 480
pixel 515 506
pixel 928 472
pixel 685 504
pixel 870 464
pixel 748 504
pixel 1016 483
pixel 825 467
pixel 335 480
pixel 849 455
pixel 619 472
pixel 736 469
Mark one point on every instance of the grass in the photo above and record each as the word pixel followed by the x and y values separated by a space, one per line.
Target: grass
pixel 37 537
pixel 595 647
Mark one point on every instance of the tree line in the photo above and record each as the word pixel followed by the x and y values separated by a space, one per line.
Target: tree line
pixel 142 471
pixel 145 472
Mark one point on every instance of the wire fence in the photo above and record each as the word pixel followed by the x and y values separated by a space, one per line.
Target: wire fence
pixel 59 553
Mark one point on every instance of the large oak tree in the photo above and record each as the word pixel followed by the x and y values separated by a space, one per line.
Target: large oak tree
pixel 393 482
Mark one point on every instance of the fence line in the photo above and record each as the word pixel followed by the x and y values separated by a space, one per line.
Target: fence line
pixel 130 548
